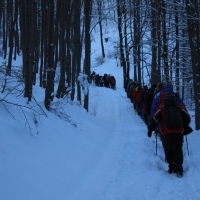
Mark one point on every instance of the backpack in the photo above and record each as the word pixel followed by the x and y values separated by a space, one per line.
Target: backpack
pixel 173 118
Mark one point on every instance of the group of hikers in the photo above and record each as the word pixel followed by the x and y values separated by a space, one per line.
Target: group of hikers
pixel 164 112
pixel 106 80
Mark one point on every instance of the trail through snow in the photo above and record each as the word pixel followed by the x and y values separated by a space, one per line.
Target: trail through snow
pixel 104 154
pixel 131 169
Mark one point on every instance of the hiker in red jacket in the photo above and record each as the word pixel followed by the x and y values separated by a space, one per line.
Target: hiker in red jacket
pixel 136 98
pixel 172 137
pixel 148 99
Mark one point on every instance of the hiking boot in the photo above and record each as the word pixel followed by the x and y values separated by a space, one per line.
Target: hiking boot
pixel 172 168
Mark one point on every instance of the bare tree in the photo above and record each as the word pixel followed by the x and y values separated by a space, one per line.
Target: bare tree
pixel 127 71
pixel 87 12
pixel 99 8
pixel 76 46
pixel 69 23
pixel 10 26
pixel 177 47
pixel 121 43
pixel 61 12
pixel 26 31
pixel 155 30
pixel 50 70
pixel 164 40
pixel 16 30
pixel 4 27
pixel 160 35
pixel 193 31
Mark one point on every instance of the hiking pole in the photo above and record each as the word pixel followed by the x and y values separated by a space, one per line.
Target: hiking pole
pixel 187 144
pixel 156 142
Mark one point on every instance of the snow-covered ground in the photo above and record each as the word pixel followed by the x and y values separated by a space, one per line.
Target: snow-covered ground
pixel 101 155
pixel 104 154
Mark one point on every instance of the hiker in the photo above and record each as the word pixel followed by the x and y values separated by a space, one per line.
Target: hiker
pixel 136 96
pixel 101 82
pixel 131 91
pixel 97 79
pixel 159 98
pixel 112 82
pixel 106 80
pixel 148 99
pixel 159 87
pixel 157 91
pixel 92 77
pixel 171 130
pixel 158 101
pixel 141 103
pixel 128 87
pixel 126 84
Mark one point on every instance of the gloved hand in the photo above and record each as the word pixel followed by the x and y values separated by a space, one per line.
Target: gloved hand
pixel 149 133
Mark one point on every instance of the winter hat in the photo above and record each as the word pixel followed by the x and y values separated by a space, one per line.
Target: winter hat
pixel 153 86
pixel 168 85
pixel 159 86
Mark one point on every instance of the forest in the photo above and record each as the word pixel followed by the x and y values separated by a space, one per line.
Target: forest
pixel 159 39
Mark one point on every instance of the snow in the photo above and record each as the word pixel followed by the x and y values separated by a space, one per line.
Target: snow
pixel 104 154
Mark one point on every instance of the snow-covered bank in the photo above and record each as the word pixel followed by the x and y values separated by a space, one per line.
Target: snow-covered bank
pixel 104 154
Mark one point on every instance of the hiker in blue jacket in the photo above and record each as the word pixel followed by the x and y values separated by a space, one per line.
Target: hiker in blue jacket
pixel 160 96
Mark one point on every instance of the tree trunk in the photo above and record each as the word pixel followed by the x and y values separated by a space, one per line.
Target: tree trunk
pixel 68 43
pixel 4 30
pixel 49 91
pixel 138 42
pixel 177 46
pixel 16 31
pixel 99 6
pixel 78 46
pixel 62 47
pixel 127 77
pixel 164 40
pixel 10 27
pixel 87 11
pixel 193 28
pixel 26 18
pixel 155 76
pixel 135 46
pixel 121 45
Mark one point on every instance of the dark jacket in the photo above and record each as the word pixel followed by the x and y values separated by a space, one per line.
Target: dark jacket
pixel 148 99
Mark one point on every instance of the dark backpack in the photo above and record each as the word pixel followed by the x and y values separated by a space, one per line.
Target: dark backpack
pixel 173 118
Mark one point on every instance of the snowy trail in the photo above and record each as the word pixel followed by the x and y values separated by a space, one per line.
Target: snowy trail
pixel 125 166
pixel 101 155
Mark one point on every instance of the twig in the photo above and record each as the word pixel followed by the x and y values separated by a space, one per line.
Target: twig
pixel 26 121
pixel 39 106
pixel 7 109
pixel 3 100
